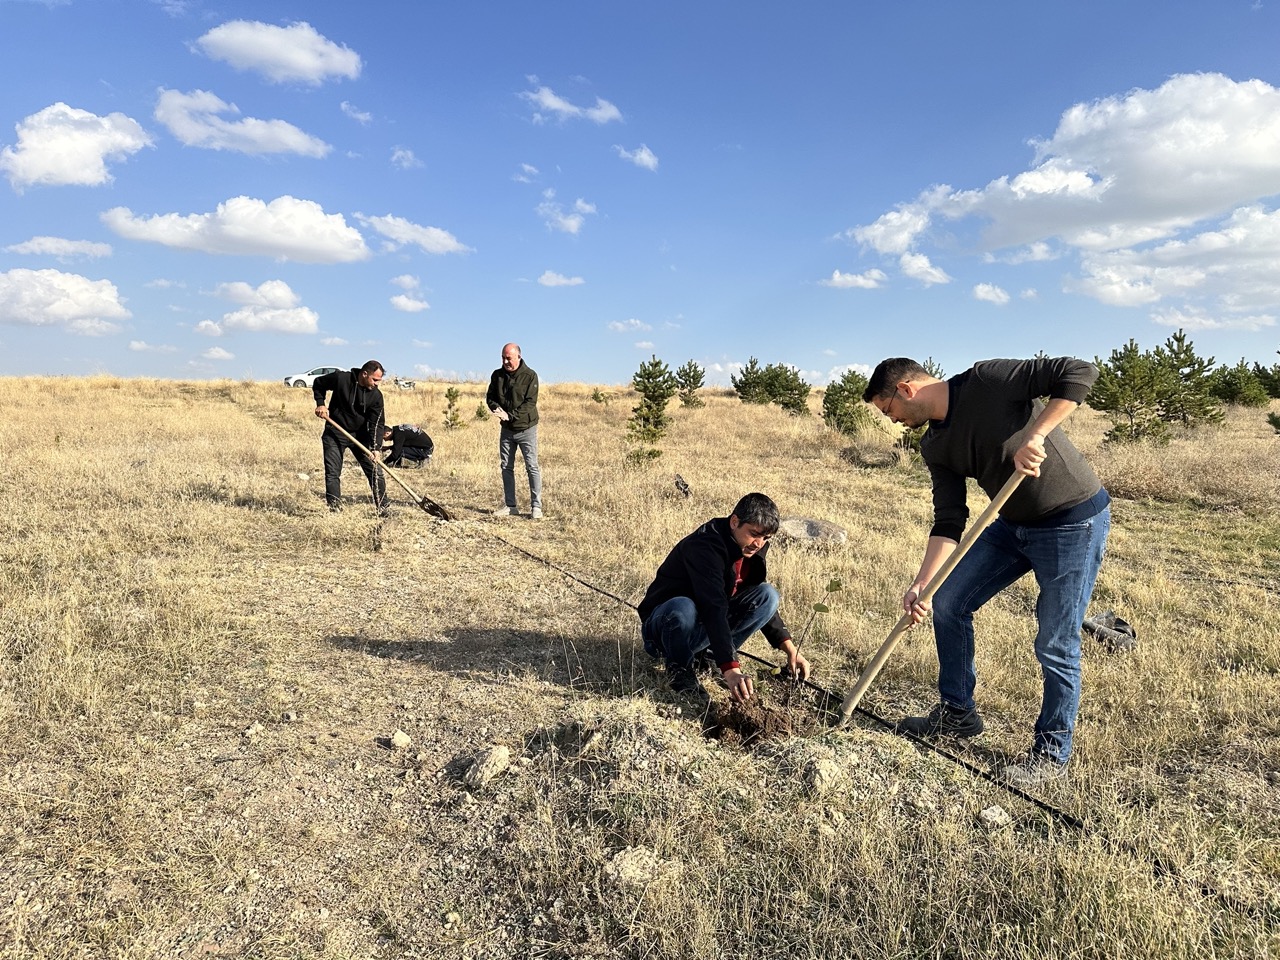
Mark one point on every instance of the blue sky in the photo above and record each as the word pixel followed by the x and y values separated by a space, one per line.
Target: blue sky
pixel 193 189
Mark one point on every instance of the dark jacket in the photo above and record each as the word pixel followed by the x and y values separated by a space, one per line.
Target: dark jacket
pixel 990 407
pixel 407 435
pixel 517 393
pixel 700 567
pixel 358 411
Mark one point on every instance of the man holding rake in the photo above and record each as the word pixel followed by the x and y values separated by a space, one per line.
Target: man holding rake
pixel 986 423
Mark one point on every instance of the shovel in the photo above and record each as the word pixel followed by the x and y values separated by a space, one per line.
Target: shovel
pixel 426 503
pixel 886 648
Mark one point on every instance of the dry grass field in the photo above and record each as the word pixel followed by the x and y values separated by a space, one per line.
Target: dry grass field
pixel 203 670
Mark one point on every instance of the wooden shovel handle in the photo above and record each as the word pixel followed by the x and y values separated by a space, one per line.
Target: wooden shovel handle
pixel 425 503
pixel 975 530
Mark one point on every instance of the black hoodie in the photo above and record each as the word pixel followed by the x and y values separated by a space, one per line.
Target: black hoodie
pixel 356 410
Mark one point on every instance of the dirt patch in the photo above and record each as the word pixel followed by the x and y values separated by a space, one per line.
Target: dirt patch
pixel 779 710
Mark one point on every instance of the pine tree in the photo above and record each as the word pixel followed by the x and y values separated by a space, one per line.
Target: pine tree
pixel 689 380
pixel 1186 399
pixel 785 387
pixel 1129 390
pixel 649 421
pixel 843 408
pixel 750 383
pixel 452 415
pixel 1239 386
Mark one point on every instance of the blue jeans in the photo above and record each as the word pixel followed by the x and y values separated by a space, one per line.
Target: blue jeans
pixel 527 442
pixel 1065 560
pixel 674 632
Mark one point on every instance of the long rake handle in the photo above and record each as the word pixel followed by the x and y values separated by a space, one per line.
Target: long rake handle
pixel 426 503
pixel 878 661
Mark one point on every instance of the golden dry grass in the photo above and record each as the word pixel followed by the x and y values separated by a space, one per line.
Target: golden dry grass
pixel 202 668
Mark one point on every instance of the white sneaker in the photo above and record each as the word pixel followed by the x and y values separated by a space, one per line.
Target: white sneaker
pixel 504 512
pixel 535 513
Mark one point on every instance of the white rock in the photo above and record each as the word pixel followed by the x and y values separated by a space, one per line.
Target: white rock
pixel 821 775
pixel 995 818
pixel 400 740
pixel 633 868
pixel 487 766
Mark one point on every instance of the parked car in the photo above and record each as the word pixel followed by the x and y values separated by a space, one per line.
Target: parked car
pixel 308 378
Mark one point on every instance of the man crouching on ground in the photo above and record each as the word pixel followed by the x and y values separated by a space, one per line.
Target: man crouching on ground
pixel 710 595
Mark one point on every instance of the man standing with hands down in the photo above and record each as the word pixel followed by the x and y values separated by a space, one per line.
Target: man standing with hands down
pixel 710 595
pixel 356 406
pixel 986 423
pixel 513 398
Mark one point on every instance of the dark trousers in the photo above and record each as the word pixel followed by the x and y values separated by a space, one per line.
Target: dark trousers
pixel 333 446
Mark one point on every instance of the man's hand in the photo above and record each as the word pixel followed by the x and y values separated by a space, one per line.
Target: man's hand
pixel 797 665
pixel 501 414
pixel 322 412
pixel 912 604
pixel 1029 456
pixel 739 684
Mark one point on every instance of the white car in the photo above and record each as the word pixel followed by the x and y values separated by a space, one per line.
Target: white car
pixel 308 378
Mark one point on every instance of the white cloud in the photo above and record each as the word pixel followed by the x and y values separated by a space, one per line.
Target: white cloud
pixel 399 232
pixel 296 53
pixel 546 103
pixel 556 217
pixel 141 346
pixel 628 326
pixel 275 294
pixel 351 111
pixel 552 279
pixel 642 156
pixel 51 298
pixel 644 344
pixel 217 353
pixel 408 304
pixel 271 306
pixel 1031 293
pixel 421 343
pixel 917 267
pixel 527 174
pixel 61 145
pixel 208 328
pixel 990 293
pixel 870 280
pixel 333 342
pixel 61 249
pixel 285 229
pixel 1162 196
pixel 1192 319
pixel 403 158
pixel 406 281
pixel 193 118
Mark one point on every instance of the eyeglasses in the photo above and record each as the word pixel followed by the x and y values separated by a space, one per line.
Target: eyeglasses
pixel 887 410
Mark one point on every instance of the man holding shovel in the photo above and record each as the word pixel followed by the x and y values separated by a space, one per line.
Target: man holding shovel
pixel 356 405
pixel 986 423
pixel 710 594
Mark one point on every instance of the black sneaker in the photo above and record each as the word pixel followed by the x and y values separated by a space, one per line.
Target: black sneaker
pixel 684 680
pixel 943 720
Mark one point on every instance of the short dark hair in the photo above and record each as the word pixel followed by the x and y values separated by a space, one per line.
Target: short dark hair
pixel 371 366
pixel 888 374
pixel 759 511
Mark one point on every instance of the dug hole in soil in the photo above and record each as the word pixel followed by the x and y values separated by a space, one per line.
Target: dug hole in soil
pixel 780 709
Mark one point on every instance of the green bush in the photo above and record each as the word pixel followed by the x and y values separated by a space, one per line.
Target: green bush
pixel 843 408
pixel 689 380
pixel 1238 385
